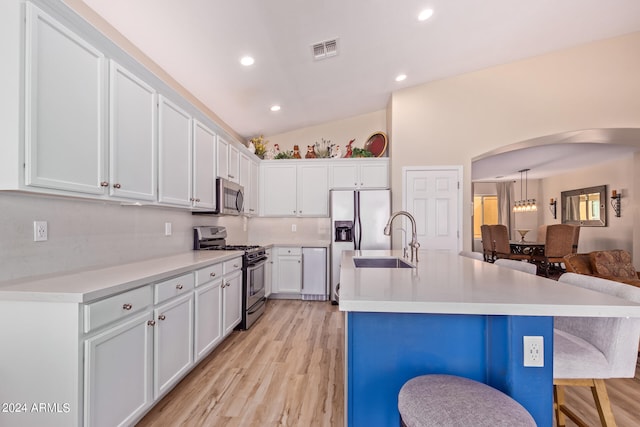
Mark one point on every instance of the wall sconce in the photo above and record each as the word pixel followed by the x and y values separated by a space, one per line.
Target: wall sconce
pixel 615 202
pixel 553 207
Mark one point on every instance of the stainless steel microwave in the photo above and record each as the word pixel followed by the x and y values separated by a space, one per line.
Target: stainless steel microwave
pixel 229 197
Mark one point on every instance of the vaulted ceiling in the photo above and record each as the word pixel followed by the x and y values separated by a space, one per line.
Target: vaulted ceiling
pixel 200 43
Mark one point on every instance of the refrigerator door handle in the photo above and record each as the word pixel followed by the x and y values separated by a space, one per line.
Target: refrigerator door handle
pixel 356 217
pixel 359 223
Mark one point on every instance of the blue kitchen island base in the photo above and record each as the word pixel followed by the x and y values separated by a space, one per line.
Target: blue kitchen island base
pixel 384 350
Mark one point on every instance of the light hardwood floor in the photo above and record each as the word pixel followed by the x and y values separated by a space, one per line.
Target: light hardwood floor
pixel 288 370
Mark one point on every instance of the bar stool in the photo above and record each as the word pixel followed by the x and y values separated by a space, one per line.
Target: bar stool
pixel 451 401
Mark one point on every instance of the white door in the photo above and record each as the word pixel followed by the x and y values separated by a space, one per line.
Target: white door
pixel 433 196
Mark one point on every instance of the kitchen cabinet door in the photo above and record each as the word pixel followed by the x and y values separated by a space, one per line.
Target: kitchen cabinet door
pixel 208 317
pixel 204 175
pixel 65 107
pixel 280 190
pixel 289 275
pixel 118 374
pixel 374 175
pixel 313 190
pixel 175 162
pixel 245 180
pixel 268 273
pixel 233 164
pixel 173 342
pixel 254 188
pixel 232 301
pixel 132 136
pixel 222 158
pixel 344 176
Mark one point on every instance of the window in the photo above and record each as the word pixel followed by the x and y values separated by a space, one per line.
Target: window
pixel 485 211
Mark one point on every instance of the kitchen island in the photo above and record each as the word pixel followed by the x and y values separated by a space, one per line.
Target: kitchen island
pixel 452 315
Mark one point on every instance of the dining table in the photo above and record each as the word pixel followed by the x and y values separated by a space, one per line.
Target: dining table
pixel 527 248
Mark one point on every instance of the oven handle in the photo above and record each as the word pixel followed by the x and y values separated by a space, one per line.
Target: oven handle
pixel 257 264
pixel 258 305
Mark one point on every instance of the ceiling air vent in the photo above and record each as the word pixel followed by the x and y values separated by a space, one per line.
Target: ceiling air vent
pixel 325 49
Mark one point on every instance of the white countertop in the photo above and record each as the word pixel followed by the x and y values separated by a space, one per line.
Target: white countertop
pixel 95 283
pixel 446 283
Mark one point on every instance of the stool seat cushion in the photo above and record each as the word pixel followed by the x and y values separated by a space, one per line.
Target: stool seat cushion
pixel 446 400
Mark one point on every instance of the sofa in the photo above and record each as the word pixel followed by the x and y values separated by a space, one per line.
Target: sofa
pixel 612 265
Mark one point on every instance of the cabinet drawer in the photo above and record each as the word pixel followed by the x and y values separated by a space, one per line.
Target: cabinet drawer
pixel 208 274
pixel 232 265
pixel 116 307
pixel 173 287
pixel 288 250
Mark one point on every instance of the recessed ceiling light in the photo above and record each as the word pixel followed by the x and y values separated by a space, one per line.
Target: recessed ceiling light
pixel 425 14
pixel 246 61
pixel 401 77
pixel 275 108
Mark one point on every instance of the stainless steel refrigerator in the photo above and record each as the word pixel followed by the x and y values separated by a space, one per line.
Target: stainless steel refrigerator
pixel 358 218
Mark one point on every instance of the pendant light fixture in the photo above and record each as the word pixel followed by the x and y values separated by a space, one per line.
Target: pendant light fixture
pixel 526 204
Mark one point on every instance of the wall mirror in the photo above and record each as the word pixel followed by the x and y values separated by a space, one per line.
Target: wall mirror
pixel 585 206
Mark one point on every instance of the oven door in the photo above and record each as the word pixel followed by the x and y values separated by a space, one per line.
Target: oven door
pixel 254 285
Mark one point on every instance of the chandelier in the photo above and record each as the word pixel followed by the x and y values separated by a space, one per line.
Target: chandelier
pixel 525 205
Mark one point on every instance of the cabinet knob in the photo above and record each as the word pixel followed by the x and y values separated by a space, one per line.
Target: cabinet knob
pixel 212 274
pixel 116 186
pixel 179 286
pixel 127 307
pixel 231 176
pixel 235 266
pixel 224 285
pixel 104 184
pixel 162 317
pixel 197 200
pixel 151 323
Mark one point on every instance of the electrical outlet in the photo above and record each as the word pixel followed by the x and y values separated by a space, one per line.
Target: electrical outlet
pixel 40 232
pixel 533 351
pixel 167 229
pixel 294 228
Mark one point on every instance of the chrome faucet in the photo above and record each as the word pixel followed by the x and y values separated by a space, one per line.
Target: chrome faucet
pixel 414 234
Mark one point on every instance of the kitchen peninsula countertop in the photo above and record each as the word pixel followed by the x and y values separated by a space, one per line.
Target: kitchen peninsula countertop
pixel 90 284
pixel 446 283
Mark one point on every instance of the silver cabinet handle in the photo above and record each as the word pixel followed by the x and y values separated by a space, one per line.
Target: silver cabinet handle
pixel 151 323
pixel 235 265
pixel 127 306
pixel 179 286
pixel 231 176
pixel 116 186
pixel 212 274
pixel 224 285
pixel 104 184
pixel 162 317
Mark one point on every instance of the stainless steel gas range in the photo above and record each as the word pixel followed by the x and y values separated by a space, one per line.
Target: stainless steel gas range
pixel 213 238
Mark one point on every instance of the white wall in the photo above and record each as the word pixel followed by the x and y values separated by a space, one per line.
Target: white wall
pixel 453 120
pixel 338 132
pixel 616 174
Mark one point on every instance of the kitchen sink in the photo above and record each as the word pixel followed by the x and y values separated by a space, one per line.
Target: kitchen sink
pixel 385 262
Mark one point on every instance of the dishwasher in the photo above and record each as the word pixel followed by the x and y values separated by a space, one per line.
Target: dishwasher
pixel 314 274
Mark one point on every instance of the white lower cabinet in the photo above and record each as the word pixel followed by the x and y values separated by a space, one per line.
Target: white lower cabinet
pixel 173 342
pixel 268 273
pixel 208 317
pixel 232 301
pixel 117 377
pixel 288 270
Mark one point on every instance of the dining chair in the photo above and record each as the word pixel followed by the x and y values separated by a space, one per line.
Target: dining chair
pixel 470 254
pixel 487 243
pixel 559 241
pixel 500 236
pixel 588 350
pixel 517 265
pixel 542 233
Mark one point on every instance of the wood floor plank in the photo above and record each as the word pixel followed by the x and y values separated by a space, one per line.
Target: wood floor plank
pixel 288 370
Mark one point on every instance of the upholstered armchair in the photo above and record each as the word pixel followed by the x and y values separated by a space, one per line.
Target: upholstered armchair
pixel 588 350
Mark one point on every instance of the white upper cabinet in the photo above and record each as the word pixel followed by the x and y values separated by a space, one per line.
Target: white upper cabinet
pixel 65 108
pixel 204 175
pixel 222 158
pixel 291 188
pixel 244 174
pixel 174 186
pixel 132 136
pixel 254 188
pixel 313 190
pixel 233 164
pixel 360 173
